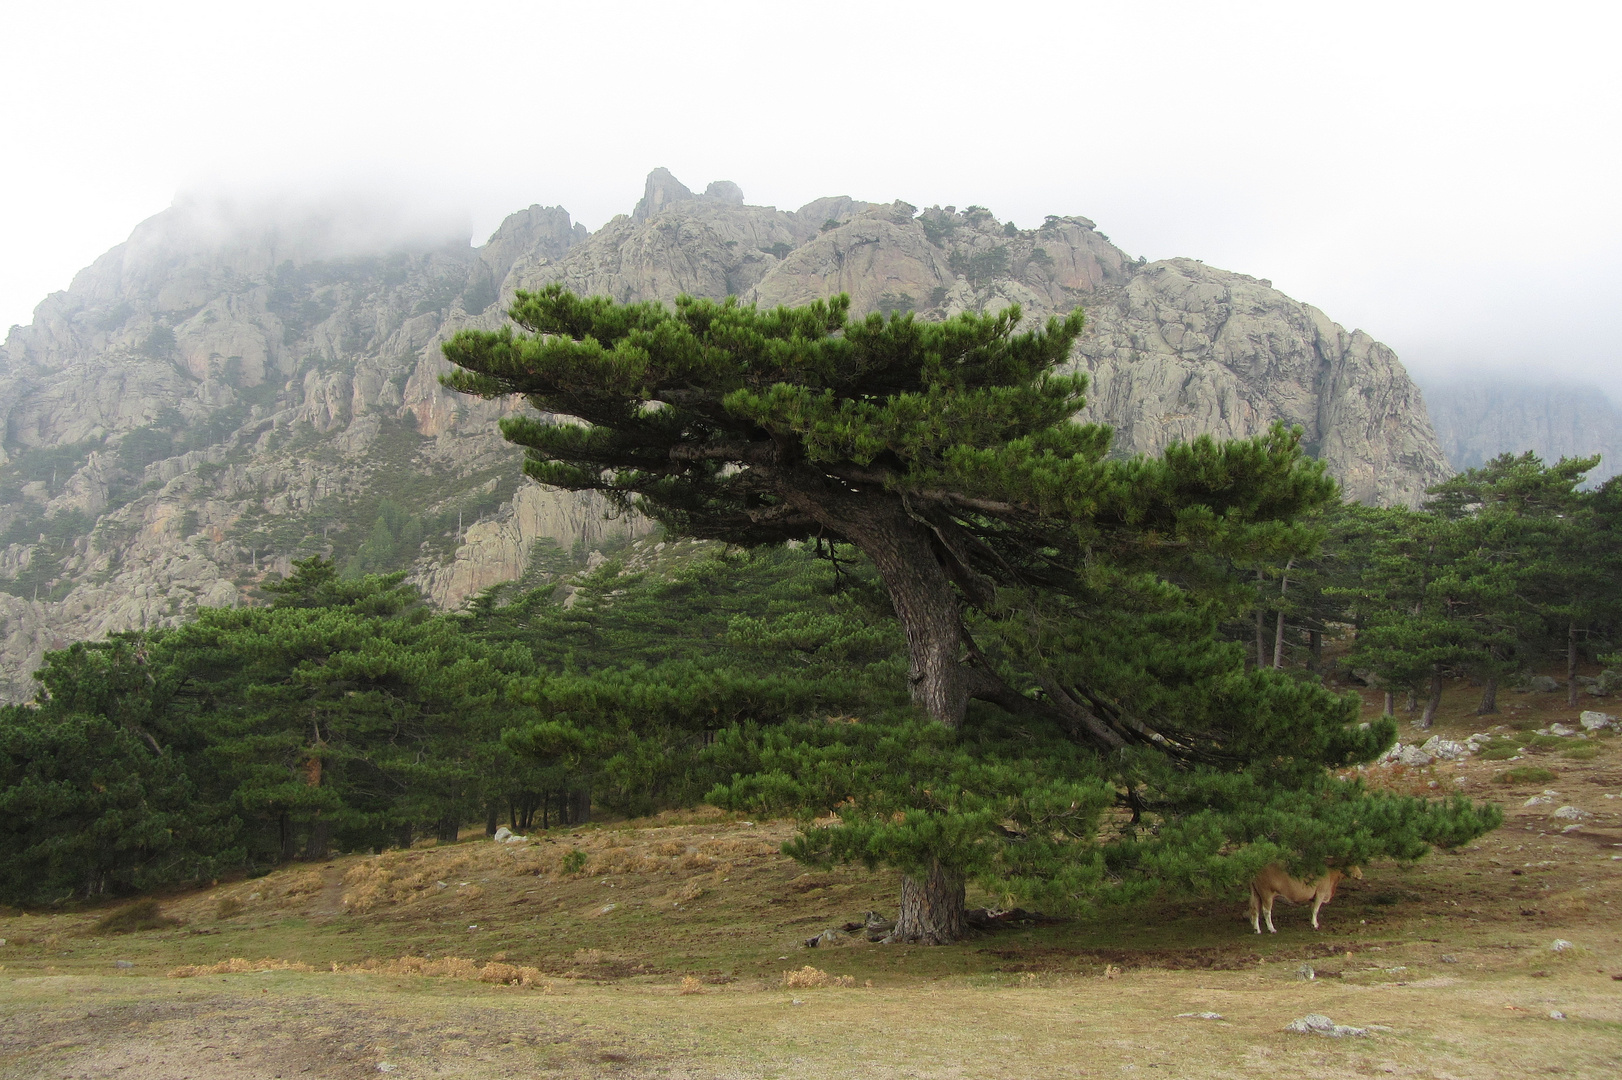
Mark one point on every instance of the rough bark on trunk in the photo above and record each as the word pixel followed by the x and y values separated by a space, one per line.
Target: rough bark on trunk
pixel 931 908
pixel 491 816
pixel 1434 700
pixel 1413 701
pixel 402 836
pixel 315 847
pixel 289 840
pixel 1278 633
pixel 1489 698
pixel 1571 665
pixel 580 805
pixel 447 829
pixel 903 551
pixel 1390 704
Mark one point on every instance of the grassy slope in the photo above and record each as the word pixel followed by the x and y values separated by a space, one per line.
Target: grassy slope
pixel 708 898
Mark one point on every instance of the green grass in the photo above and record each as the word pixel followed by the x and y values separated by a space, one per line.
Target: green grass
pixel 1526 774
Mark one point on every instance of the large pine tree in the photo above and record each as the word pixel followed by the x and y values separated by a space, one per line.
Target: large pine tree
pixel 1079 593
pixel 946 452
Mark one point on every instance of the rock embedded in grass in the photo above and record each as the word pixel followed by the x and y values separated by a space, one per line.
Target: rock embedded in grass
pixel 1319 1024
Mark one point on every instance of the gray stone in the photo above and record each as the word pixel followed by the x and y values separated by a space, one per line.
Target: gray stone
pixel 1444 749
pixel 1199 1016
pixel 1413 756
pixel 1542 684
pixel 1563 730
pixel 1572 813
pixel 1319 1024
pixel 1306 971
pixel 1596 721
pixel 1560 945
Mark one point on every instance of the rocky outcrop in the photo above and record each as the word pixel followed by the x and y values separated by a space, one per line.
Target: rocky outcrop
pixel 1184 349
pixel 234 388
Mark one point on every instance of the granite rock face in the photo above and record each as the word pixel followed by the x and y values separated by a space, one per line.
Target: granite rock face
pixel 233 389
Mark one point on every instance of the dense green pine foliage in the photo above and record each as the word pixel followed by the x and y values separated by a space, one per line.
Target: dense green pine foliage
pixel 946 452
pixel 1081 595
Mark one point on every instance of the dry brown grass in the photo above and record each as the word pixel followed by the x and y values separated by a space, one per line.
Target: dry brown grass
pixel 237 966
pixel 809 976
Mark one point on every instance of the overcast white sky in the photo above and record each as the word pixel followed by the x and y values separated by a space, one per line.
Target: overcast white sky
pixel 1443 175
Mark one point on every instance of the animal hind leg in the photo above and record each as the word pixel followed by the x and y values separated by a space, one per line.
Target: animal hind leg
pixel 1267 910
pixel 1255 910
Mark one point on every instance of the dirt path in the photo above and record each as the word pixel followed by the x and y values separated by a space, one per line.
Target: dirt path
pixel 329 902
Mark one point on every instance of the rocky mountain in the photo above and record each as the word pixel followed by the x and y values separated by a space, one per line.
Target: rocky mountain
pixel 228 391
pixel 1478 419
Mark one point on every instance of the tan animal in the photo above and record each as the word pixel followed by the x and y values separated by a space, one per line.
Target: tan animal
pixel 1273 883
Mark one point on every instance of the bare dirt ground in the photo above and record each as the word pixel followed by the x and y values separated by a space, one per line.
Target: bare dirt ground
pixel 666 957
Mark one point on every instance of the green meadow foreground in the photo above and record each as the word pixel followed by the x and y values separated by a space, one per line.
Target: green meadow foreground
pixel 678 951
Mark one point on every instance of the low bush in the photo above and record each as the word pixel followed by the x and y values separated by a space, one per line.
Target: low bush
pixel 141 915
pixel 1526 774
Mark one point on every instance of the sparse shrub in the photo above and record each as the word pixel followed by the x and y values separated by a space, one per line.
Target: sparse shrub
pixel 1526 774
pixel 141 915
pixel 809 976
pixel 1581 752
pixel 574 861
pixel 690 985
pixel 228 907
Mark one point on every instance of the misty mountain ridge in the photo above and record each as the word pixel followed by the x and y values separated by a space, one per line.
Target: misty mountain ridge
pixel 1478 418
pixel 237 387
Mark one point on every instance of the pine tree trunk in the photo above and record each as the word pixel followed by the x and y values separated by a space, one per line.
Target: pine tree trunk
pixel 1278 642
pixel 402 837
pixel 1390 704
pixel 289 840
pixel 580 805
pixel 448 828
pixel 1413 701
pixel 491 816
pixel 315 847
pixel 1433 701
pixel 903 552
pixel 1571 665
pixel 1315 644
pixel 1489 698
pixel 931 909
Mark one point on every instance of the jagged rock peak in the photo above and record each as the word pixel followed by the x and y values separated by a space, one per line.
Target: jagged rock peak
pixel 663 190
pixel 725 191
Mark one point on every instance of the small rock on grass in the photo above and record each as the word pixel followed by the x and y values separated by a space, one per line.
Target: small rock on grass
pixel 1200 1016
pixel 1319 1024
pixel 1556 1014
pixel 1560 945
pixel 1305 971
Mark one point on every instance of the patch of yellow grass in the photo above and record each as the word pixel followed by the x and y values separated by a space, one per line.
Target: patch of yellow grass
pixel 809 976
pixel 397 877
pixel 690 985
pixel 237 966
